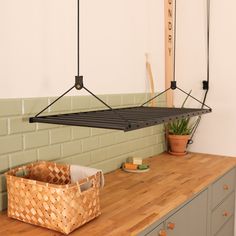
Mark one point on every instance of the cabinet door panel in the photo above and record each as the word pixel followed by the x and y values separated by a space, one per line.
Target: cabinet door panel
pixel 191 219
pixel 222 213
pixel 223 187
pixel 227 229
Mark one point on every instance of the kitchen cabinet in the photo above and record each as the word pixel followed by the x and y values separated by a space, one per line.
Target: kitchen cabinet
pixel 223 187
pixel 188 196
pixel 223 205
pixel 191 219
pixel 221 215
pixel 210 213
pixel 227 229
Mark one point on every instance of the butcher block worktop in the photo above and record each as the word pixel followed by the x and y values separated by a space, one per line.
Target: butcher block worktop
pixel 131 202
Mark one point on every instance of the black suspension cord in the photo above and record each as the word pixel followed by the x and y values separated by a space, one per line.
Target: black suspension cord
pixel 208 41
pixel 208 70
pixel 174 49
pixel 78 39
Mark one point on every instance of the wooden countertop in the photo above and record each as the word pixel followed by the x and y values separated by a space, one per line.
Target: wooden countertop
pixel 131 202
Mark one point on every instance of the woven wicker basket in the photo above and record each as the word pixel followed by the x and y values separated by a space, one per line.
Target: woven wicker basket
pixel 42 194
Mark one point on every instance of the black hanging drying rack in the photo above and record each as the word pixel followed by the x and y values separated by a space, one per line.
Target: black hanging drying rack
pixel 125 119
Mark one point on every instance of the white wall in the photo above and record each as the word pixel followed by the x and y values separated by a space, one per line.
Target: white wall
pixel 38 53
pixel 217 132
pixel 38 46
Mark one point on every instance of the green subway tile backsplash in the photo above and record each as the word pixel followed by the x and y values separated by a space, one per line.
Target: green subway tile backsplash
pixel 107 139
pixel 49 153
pixel 71 148
pixel 10 143
pixel 160 138
pixel 140 98
pixel 97 131
pixel 4 163
pixel 3 127
pixel 21 125
pixel 144 152
pixel 107 165
pixel 115 100
pixel 128 99
pixel 120 137
pixel 32 106
pixel 80 102
pixel 95 103
pixel 3 201
pixel 80 132
pixel 60 135
pixel 79 159
pixel 89 144
pixel 10 107
pixel 36 139
pixel 99 155
pixel 63 104
pixel 22 142
pixel 118 149
pixel 159 148
pixel 42 126
pixel 158 129
pixel 3 184
pixel 20 158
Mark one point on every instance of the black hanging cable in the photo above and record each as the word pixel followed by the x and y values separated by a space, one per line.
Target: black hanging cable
pixel 78 79
pixel 208 41
pixel 205 83
pixel 174 49
pixel 78 39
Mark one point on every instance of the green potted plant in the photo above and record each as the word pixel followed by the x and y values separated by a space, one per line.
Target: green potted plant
pixel 178 134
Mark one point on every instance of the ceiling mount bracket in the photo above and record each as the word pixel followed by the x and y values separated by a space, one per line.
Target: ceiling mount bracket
pixel 79 82
pixel 205 85
pixel 173 85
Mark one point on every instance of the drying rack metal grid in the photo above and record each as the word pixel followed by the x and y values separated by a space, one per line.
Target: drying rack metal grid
pixel 133 117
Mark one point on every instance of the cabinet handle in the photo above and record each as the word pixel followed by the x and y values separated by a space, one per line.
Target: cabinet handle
pixel 226 187
pixel 162 233
pixel 225 213
pixel 171 226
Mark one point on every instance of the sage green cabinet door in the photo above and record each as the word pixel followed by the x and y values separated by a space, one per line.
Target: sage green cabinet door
pixel 191 220
pixel 227 229
pixel 222 213
pixel 156 231
pixel 223 187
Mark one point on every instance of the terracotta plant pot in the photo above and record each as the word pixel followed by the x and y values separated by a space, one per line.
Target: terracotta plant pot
pixel 178 144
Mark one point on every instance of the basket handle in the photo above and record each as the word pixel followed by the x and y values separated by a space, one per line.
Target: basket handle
pixel 86 184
